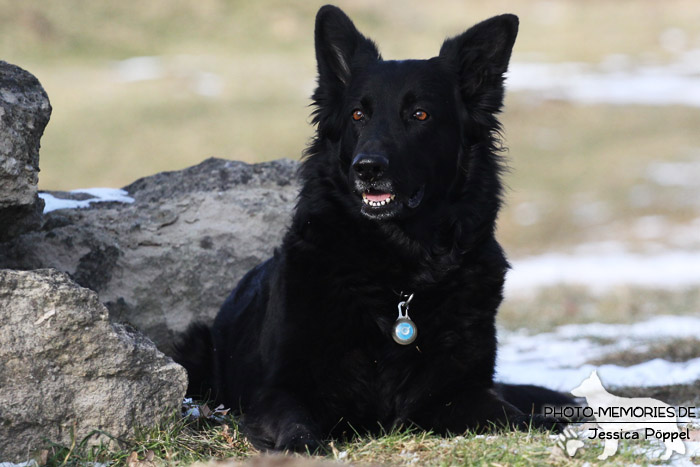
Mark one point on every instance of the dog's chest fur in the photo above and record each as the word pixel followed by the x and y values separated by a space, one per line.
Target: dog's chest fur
pixel 360 374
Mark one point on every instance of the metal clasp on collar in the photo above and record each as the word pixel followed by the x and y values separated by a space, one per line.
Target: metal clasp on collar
pixel 404 331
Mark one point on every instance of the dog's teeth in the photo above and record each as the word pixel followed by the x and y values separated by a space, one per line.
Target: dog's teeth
pixel 377 203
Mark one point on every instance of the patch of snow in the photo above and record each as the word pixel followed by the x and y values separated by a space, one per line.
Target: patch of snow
pixel 31 463
pixel 410 457
pixel 591 213
pixel 549 12
pixel 656 448
pixel 688 234
pixel 660 327
pixel 604 247
pixel 208 84
pixel 526 214
pixel 182 68
pixel 692 449
pixel 614 82
pixel 191 409
pixel 99 195
pixel 136 69
pixel 673 40
pixel 641 196
pixel 648 227
pixel 671 270
pixel 683 174
pixel 560 357
pixel 193 413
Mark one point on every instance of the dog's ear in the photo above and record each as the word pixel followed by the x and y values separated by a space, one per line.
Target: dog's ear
pixel 481 54
pixel 339 46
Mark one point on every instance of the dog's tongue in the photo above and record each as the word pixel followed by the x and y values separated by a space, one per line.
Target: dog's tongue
pixel 377 196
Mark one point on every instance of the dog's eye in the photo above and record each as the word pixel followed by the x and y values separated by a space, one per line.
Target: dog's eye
pixel 358 115
pixel 421 115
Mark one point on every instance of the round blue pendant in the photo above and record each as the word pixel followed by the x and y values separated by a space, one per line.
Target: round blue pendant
pixel 405 331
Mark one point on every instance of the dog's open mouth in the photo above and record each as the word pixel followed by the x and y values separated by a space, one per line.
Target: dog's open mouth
pixel 377 199
pixel 383 202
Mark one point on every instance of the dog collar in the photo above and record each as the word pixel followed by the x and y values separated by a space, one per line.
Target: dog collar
pixel 404 331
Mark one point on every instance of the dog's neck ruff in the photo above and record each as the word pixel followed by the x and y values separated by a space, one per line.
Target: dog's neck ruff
pixel 404 331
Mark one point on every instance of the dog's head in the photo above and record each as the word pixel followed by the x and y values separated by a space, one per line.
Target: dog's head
pixel 404 132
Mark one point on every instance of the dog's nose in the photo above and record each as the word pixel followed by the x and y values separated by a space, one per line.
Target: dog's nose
pixel 369 167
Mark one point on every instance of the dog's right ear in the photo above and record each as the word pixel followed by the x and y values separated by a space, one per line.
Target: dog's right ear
pixel 339 47
pixel 480 56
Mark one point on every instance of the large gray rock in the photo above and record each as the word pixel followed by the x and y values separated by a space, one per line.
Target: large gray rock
pixel 173 255
pixel 64 368
pixel 24 113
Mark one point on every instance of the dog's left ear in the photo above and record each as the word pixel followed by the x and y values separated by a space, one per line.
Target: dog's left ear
pixel 481 54
pixel 339 46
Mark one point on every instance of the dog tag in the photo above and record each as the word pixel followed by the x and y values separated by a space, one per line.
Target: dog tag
pixel 404 331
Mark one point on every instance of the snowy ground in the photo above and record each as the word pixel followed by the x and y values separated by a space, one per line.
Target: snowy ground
pixel 618 80
pixel 670 270
pixel 92 195
pixel 560 358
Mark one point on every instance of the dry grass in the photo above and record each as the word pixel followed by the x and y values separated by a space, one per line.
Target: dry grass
pixel 566 158
pixel 675 350
pixel 175 443
pixel 558 305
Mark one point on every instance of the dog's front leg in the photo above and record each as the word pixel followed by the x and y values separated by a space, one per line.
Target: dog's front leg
pixel 277 421
pixel 478 410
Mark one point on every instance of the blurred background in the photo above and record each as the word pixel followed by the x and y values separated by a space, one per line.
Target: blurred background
pixel 601 118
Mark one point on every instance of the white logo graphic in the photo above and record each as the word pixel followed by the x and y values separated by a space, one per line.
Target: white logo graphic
pixel 568 441
pixel 624 418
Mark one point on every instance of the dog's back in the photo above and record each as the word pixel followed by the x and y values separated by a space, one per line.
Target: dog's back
pixel 224 361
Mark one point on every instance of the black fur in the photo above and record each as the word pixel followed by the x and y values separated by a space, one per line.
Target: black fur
pixel 303 346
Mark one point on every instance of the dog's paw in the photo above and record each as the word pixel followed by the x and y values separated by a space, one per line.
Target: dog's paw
pixel 304 443
pixel 569 442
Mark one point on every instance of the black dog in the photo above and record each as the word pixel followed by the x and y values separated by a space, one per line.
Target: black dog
pixel 378 309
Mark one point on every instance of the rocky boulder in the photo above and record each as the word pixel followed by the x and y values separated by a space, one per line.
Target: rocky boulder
pixel 172 254
pixel 65 369
pixel 24 113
